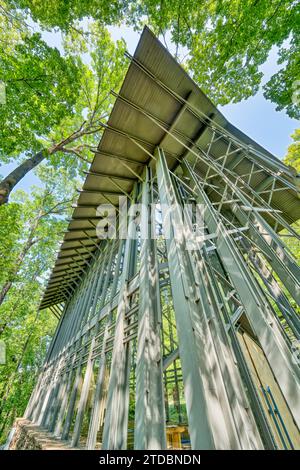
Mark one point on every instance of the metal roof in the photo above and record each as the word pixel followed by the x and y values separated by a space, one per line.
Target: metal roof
pixel 157 96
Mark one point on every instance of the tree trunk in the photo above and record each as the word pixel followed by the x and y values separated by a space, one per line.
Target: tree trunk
pixel 8 183
pixel 4 290
pixel 28 244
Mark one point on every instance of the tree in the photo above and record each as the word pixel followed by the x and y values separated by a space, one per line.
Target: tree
pixel 284 87
pixel 226 40
pixel 292 157
pixel 64 13
pixel 10 235
pixel 25 330
pixel 27 345
pixel 32 223
pixel 41 89
pixel 37 215
pixel 229 40
pixel 54 129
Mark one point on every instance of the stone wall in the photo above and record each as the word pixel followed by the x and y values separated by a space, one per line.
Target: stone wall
pixel 28 436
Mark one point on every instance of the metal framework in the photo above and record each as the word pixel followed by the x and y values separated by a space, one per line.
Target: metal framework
pixel 159 345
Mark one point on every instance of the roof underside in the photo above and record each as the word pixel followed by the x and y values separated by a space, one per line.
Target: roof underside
pixel 157 85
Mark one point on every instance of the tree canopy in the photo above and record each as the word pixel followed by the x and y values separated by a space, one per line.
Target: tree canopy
pixel 41 89
pixel 292 157
pixel 56 105
pixel 226 40
pixel 225 44
pixel 31 228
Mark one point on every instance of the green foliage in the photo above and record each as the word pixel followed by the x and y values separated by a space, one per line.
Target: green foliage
pixel 227 40
pixel 292 157
pixel 56 103
pixel 32 227
pixel 49 96
pixel 105 71
pixel 10 235
pixel 63 13
pixel 27 341
pixel 284 87
pixel 41 89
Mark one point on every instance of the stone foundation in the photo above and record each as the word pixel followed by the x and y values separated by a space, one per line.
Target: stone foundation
pixel 28 436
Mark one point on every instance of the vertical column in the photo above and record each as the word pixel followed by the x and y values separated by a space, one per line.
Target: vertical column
pixel 116 419
pixel 185 312
pixel 256 307
pixel 34 396
pixel 98 404
pixel 78 373
pixel 90 362
pixel 149 431
pixel 216 409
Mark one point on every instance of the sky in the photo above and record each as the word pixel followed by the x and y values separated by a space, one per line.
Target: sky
pixel 256 116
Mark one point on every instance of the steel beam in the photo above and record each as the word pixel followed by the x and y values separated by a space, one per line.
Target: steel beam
pixel 205 362
pixel 149 429
pixel 116 418
pixel 256 307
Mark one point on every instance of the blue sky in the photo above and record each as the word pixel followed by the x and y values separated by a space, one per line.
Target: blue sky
pixel 256 116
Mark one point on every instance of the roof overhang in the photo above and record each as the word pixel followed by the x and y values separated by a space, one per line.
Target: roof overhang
pixel 157 98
